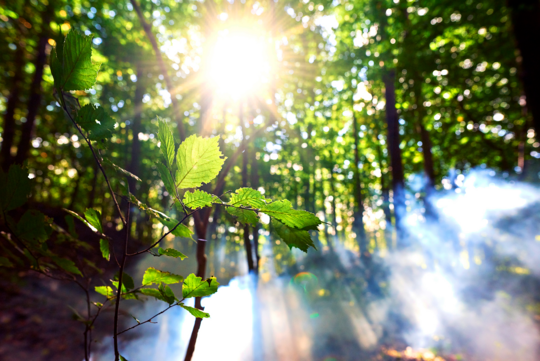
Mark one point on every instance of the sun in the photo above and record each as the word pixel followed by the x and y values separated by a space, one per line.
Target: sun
pixel 239 63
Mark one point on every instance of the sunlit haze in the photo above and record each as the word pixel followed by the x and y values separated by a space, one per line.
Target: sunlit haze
pixel 239 63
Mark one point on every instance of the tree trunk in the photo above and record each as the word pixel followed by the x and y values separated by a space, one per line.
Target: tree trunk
pixel 8 132
pixel 526 24
pixel 34 101
pixel 393 141
pixel 358 202
pixel 245 160
pixel 135 162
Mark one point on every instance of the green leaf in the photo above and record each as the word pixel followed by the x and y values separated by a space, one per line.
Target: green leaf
pixel 72 66
pixel 121 170
pixel 106 291
pixel 247 197
pixel 198 199
pixel 71 225
pixel 244 215
pixel 166 178
pixel 282 210
pixel 293 237
pixel 195 312
pixel 96 122
pixel 4 262
pixel 122 358
pixel 153 275
pixel 33 226
pixel 127 282
pixel 152 292
pixel 179 231
pixel 104 247
pixel 14 188
pixel 76 215
pixel 198 160
pixel 165 137
pixel 66 265
pixel 94 218
pixel 171 253
pixel 167 293
pixel 195 287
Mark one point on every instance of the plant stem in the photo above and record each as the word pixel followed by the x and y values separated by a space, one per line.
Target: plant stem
pixel 119 292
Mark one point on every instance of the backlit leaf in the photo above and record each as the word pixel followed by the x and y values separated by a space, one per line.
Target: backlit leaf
pixel 195 312
pixel 282 210
pixel 153 275
pixel 179 231
pixel 94 218
pixel 197 287
pixel 247 197
pixel 166 178
pixel 104 248
pixel 171 253
pixel 244 215
pixel 293 237
pixel 152 292
pixel 66 265
pixel 96 122
pixel 165 137
pixel 198 160
pixel 198 199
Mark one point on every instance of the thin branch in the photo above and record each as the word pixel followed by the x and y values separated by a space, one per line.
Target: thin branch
pixel 98 163
pixel 165 235
pixel 150 319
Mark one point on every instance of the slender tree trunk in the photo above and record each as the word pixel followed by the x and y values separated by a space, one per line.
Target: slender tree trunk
pixel 358 202
pixel 526 24
pixel 8 132
pixel 393 141
pixel 135 163
pixel 34 101
pixel 245 161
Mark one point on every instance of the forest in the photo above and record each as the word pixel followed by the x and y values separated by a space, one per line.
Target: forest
pixel 270 180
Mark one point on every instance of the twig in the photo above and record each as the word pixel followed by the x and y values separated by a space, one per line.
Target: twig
pixel 150 319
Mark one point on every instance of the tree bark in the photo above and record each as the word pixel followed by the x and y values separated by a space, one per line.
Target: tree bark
pixel 358 202
pixel 393 141
pixel 526 26
pixel 34 101
pixel 8 132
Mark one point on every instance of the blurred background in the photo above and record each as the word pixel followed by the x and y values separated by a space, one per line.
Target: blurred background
pixel 408 126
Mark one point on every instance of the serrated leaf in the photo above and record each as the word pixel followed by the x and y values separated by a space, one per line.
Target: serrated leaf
pixel 96 122
pixel 198 199
pixel 153 275
pixel 244 216
pixel 179 231
pixel 165 137
pixel 195 287
pixel 33 226
pixel 282 210
pixel 14 188
pixel 169 252
pixel 167 293
pixel 94 218
pixel 293 237
pixel 152 292
pixel 74 69
pixel 121 170
pixel 106 291
pixel 66 265
pixel 247 197
pixel 198 160
pixel 195 312
pixel 166 178
pixel 104 248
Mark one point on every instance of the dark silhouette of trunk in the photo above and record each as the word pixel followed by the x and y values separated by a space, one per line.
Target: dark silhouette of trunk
pixel 135 163
pixel 245 161
pixel 334 214
pixel 526 25
pixel 92 193
pixel 393 142
pixel 34 101
pixel 8 132
pixel 358 202
pixel 255 185
pixel 385 195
